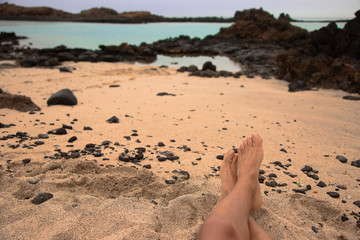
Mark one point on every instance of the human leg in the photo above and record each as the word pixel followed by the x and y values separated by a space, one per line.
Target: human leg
pixel 257 232
pixel 230 217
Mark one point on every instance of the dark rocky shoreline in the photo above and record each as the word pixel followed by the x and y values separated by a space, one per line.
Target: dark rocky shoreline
pixel 265 46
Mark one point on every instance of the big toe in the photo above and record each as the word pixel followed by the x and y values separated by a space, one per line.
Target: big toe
pixel 256 139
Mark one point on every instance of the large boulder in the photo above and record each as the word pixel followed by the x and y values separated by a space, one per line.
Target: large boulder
pixel 63 97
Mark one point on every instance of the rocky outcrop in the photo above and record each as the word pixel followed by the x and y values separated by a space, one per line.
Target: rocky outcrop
pixel 51 57
pixel 285 17
pixel 99 13
pixel 259 25
pixel 110 15
pixel 8 44
pixel 330 58
pixel 17 102
pixel 14 12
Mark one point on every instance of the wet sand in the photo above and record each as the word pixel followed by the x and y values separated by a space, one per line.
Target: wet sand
pixel 96 196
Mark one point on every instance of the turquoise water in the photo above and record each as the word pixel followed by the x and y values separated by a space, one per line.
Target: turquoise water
pixel 91 35
pixel 221 62
pixel 311 26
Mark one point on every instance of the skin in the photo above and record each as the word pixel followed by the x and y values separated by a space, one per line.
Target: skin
pixel 240 193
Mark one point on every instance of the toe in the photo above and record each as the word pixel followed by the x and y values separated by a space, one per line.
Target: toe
pixel 233 161
pixel 241 148
pixel 257 140
pixel 249 142
pixel 228 157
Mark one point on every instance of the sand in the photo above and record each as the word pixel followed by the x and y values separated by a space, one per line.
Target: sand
pixel 95 198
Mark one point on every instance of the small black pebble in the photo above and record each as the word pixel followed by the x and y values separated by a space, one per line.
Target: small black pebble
pixel 321 184
pixel 35 181
pixel 303 190
pixel 41 197
pixel 147 166
pixel 283 150
pixel 344 218
pixel 37 143
pixel 272 175
pixel 72 139
pixel 172 181
pixel 60 131
pixel 356 163
pixel 307 168
pixel 341 158
pixel 113 119
pixel 333 194
pixel 26 160
pixel 316 177
pixel 220 157
pixel 315 229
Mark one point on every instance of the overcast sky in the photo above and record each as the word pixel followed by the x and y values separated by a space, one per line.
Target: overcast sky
pixel 225 8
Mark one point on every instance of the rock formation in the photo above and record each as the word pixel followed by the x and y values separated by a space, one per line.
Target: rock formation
pixel 17 102
pixel 329 58
pixel 259 25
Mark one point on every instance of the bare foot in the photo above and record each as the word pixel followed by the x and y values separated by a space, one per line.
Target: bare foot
pixel 228 173
pixel 250 156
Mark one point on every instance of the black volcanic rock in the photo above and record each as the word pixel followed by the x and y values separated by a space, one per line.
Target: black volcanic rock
pixel 356 163
pixel 41 197
pixel 113 119
pixel 341 158
pixel 165 94
pixel 262 26
pixel 333 194
pixel 298 85
pixel 328 58
pixel 63 97
pixel 208 65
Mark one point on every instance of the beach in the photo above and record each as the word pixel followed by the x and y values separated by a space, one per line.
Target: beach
pixel 194 121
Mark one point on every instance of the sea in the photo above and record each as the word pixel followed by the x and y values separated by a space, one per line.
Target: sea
pixel 43 34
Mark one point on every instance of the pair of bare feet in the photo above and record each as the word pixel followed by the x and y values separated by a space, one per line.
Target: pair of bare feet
pixel 242 165
pixel 240 193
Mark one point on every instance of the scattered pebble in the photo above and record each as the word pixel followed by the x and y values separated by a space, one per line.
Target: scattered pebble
pixel 283 150
pixel 321 184
pixel 333 194
pixel 341 158
pixel 113 119
pixel 356 163
pixel 26 160
pixel 220 157
pixel 41 197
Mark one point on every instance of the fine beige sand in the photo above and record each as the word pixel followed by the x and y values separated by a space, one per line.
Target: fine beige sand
pixel 104 198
